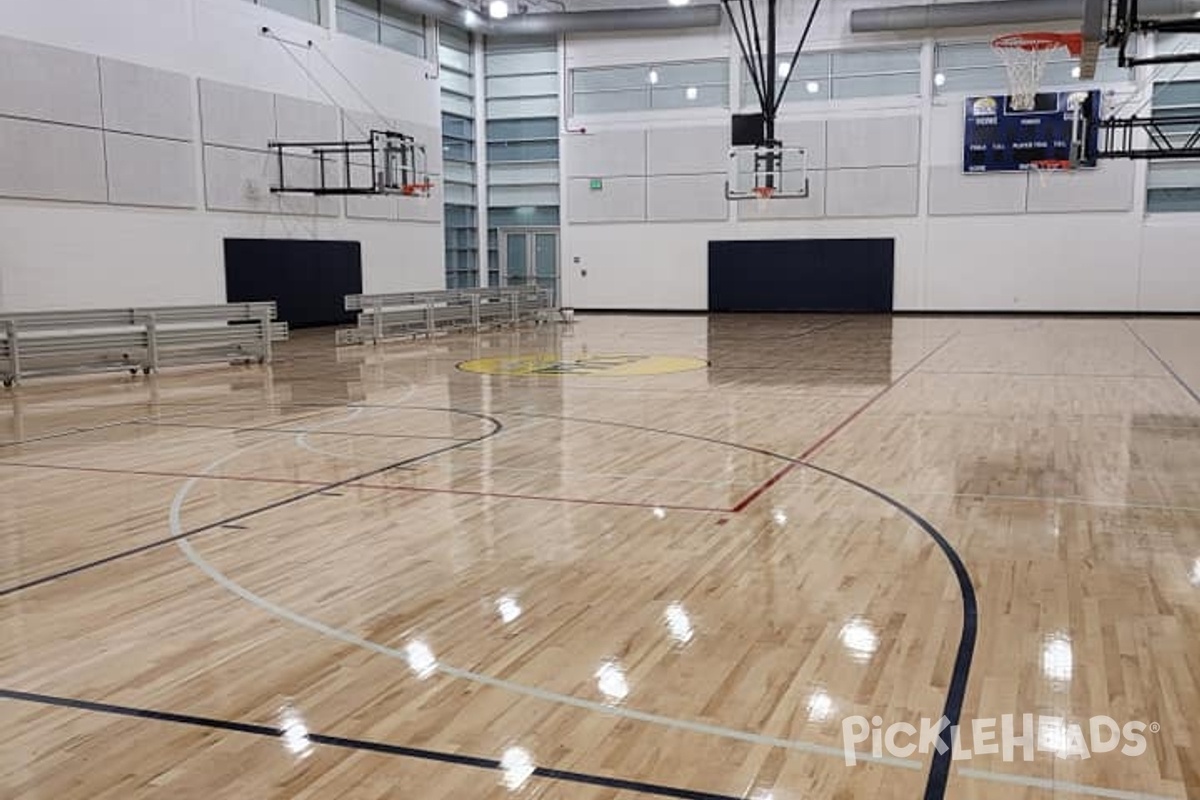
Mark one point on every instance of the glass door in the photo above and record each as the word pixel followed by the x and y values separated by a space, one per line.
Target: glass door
pixel 529 257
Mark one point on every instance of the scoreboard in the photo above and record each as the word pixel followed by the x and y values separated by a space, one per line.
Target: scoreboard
pixel 999 139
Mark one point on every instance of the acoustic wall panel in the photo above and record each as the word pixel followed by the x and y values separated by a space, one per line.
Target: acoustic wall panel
pixel 150 172
pixel 687 151
pixel 878 192
pixel 383 208
pixel 299 120
pixel 952 192
pixel 877 142
pixel 807 134
pixel 48 83
pixel 422 209
pixel 307 279
pixel 1108 188
pixel 42 160
pixel 234 116
pixel 684 198
pixel 620 200
pixel 610 153
pixel 151 102
pixel 810 207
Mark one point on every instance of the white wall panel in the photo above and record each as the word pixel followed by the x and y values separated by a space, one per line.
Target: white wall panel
pixel 809 134
pixel 234 116
pixel 1108 188
pixel 48 83
pixel 952 192
pixel 422 209
pixel 598 155
pixel 299 120
pixel 877 192
pixel 373 207
pixel 152 102
pixel 874 142
pixel 687 151
pixel 680 198
pixel 42 160
pixel 145 171
pixel 621 200
pixel 1168 273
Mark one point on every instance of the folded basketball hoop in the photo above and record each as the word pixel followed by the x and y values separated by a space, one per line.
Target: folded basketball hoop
pixel 1025 56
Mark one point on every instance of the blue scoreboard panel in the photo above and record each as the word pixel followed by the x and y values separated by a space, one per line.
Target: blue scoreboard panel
pixel 999 139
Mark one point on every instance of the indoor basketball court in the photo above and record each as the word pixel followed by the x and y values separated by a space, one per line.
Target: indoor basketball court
pixel 766 400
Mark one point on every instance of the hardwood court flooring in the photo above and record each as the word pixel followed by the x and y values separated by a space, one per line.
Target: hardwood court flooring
pixel 364 573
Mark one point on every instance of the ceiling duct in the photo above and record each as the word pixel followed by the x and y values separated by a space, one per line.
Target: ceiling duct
pixel 555 22
pixel 991 13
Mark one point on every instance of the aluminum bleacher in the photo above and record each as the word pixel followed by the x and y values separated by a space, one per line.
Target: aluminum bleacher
pixel 146 339
pixel 412 314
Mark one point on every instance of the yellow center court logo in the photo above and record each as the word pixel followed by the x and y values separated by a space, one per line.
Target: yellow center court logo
pixel 607 366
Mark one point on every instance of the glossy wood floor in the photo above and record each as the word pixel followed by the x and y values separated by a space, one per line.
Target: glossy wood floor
pixel 367 574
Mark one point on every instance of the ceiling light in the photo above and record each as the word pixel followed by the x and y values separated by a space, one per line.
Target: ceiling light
pixel 678 3
pixel 1075 72
pixel 784 69
pixel 498 9
pixel 691 93
pixel 939 79
pixel 812 87
pixel 653 76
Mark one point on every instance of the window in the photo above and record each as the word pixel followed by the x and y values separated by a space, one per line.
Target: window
pixel 460 200
pixel 381 22
pixel 308 10
pixel 842 75
pixel 643 87
pixel 1175 185
pixel 974 68
pixel 522 139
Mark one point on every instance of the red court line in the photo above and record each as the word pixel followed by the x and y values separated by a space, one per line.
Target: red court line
pixel 373 486
pixel 828 436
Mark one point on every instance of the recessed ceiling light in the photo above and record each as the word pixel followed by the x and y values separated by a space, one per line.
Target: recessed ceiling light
pixel 679 2
pixel 784 69
pixel 939 79
pixel 691 92
pixel 498 9
pixel 813 87
pixel 653 78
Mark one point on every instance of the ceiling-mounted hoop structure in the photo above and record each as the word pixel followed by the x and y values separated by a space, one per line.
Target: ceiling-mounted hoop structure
pixel 1025 56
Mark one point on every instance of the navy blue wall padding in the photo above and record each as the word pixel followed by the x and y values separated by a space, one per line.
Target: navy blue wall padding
pixel 308 280
pixel 801 275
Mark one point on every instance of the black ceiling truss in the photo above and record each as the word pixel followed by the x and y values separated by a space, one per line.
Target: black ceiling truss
pixel 760 63
pixel 1167 137
pixel 1126 23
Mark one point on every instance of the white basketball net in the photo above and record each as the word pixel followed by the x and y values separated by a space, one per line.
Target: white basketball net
pixel 1025 57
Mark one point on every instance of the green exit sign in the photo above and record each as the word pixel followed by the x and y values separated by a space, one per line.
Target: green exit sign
pixel 597 184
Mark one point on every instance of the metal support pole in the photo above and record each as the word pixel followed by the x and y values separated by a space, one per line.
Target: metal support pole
pixel 14 350
pixel 265 320
pixel 476 322
pixel 152 342
pixel 430 326
pixel 377 311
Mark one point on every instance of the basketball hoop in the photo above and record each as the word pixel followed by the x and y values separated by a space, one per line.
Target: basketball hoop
pixel 1044 166
pixel 1025 56
pixel 762 194
pixel 416 189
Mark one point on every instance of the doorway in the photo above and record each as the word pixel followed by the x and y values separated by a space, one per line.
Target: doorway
pixel 529 257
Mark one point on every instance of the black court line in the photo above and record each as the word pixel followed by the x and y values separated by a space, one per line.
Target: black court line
pixel 1170 370
pixel 323 432
pixel 939 768
pixel 365 745
pixel 133 551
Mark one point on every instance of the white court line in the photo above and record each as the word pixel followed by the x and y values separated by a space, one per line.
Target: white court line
pixel 222 580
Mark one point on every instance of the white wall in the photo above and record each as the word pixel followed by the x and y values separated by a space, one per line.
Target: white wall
pixel 107 251
pixel 998 242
